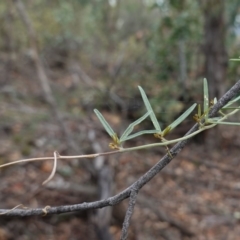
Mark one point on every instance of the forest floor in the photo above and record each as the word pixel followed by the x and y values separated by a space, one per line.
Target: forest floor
pixel 196 196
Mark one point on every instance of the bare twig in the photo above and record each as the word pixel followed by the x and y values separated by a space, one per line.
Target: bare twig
pixel 129 213
pixel 9 210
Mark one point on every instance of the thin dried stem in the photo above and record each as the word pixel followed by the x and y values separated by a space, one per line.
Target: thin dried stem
pixel 122 150
pixel 55 154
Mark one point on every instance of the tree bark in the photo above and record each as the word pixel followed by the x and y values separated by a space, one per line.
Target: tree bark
pixel 214 46
pixel 215 55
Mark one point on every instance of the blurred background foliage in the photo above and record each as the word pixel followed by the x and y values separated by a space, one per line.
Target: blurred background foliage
pixel 117 45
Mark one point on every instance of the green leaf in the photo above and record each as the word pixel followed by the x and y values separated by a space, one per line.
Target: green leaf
pixel 181 118
pixel 105 123
pixel 149 109
pixel 231 102
pixel 132 125
pixel 215 100
pixel 141 133
pixel 226 123
pixel 234 59
pixel 214 119
pixel 205 98
pixel 167 130
pixel 199 111
pixel 231 108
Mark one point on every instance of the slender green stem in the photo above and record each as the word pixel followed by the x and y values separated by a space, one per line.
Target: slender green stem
pixel 225 123
pixel 165 143
pixel 168 141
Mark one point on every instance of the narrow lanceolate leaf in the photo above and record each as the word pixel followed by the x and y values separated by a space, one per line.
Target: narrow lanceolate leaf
pixel 141 133
pixel 234 59
pixel 215 100
pixel 225 123
pixel 231 102
pixel 104 123
pixel 149 109
pixel 132 125
pixel 199 111
pixel 205 98
pixel 231 108
pixel 182 117
pixel 214 119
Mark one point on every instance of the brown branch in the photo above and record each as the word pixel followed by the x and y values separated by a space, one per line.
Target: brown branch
pixel 129 213
pixel 144 179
